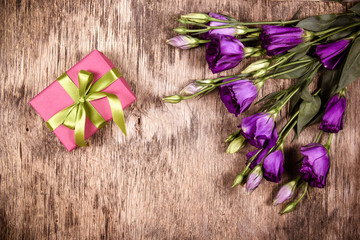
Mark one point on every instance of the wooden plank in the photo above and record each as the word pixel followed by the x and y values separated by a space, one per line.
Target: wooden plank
pixel 170 178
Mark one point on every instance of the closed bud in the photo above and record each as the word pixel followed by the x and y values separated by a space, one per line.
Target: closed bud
pixel 252 52
pixel 285 192
pixel 205 81
pixel 180 30
pixel 183 42
pixel 241 30
pixel 257 65
pixel 260 73
pixel 191 89
pixel 254 179
pixel 232 136
pixel 196 17
pixel 236 144
pixel 173 99
pixel 253 35
pixel 289 208
pixel 239 178
pixel 308 36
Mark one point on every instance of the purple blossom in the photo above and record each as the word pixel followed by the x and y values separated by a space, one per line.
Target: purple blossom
pixel 238 96
pixel 315 165
pixel 332 120
pixel 272 164
pixel 222 31
pixel 330 54
pixel 278 39
pixel 260 130
pixel 223 53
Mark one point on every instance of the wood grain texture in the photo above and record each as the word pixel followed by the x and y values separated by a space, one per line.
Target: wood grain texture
pixel 170 178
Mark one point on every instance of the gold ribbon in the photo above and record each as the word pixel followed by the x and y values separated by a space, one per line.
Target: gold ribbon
pixel 74 116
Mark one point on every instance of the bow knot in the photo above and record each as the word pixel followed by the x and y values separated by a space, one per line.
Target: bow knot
pixel 74 116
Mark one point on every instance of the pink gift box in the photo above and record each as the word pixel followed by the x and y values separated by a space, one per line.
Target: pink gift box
pixel 54 98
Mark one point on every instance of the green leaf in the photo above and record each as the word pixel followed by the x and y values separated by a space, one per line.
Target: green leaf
pixel 317 23
pixel 356 9
pixel 307 112
pixel 306 95
pixel 296 73
pixel 351 69
pixel 329 83
pixel 301 50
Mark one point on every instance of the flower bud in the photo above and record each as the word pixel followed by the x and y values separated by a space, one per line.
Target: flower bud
pixel 180 30
pixel 191 89
pixel 254 179
pixel 240 30
pixel 285 192
pixel 236 144
pixel 232 136
pixel 308 36
pixel 173 99
pixel 183 42
pixel 239 178
pixel 260 73
pixel 196 17
pixel 205 81
pixel 289 208
pixel 252 52
pixel 257 65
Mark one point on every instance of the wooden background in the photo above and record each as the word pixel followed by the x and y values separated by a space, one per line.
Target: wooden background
pixel 170 178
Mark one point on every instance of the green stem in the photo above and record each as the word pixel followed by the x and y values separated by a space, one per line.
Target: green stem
pixel 288 71
pixel 296 62
pixel 282 59
pixel 327 31
pixel 255 23
pixel 248 39
pixel 332 33
pixel 318 136
pixel 288 124
pixel 328 143
pixel 305 190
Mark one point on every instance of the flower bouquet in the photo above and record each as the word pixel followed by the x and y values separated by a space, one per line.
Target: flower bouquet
pixel 327 46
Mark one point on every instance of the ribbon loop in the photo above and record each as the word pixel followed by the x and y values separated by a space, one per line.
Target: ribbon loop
pixel 74 116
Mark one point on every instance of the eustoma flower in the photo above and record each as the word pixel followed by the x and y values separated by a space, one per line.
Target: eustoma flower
pixel 259 129
pixel 223 53
pixel 332 120
pixel 272 164
pixel 238 96
pixel 254 179
pixel 330 54
pixel 278 39
pixel 315 165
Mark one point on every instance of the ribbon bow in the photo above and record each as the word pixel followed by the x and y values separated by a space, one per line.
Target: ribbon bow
pixel 75 115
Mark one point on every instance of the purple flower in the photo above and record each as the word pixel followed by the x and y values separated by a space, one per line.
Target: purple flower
pixel 332 120
pixel 330 54
pixel 222 31
pixel 223 53
pixel 238 96
pixel 254 179
pixel 285 192
pixel 278 39
pixel 272 164
pixel 259 129
pixel 315 165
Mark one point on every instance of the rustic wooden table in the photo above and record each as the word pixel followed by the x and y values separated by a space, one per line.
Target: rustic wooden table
pixel 170 178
